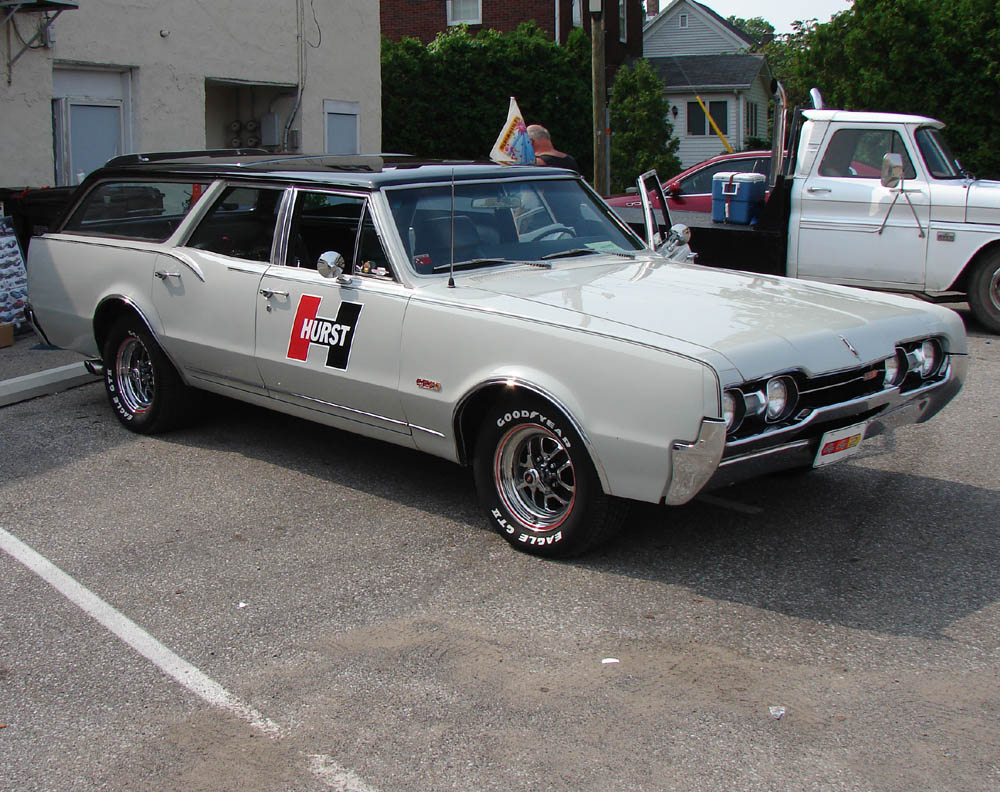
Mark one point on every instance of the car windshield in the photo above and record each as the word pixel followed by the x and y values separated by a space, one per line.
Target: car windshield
pixel 941 163
pixel 499 222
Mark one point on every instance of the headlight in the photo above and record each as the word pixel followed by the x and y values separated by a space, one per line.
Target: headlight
pixel 930 351
pixel 895 368
pixel 733 409
pixel 781 397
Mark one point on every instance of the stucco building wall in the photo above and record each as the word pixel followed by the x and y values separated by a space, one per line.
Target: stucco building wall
pixel 190 65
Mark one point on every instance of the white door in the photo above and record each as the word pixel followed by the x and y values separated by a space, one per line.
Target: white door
pixel 333 345
pixel 206 292
pixel 851 229
pixel 90 120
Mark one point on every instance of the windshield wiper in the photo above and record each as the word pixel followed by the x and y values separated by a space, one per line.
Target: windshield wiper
pixel 472 264
pixel 569 253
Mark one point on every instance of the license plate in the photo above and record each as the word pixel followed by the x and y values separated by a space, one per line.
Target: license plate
pixel 840 444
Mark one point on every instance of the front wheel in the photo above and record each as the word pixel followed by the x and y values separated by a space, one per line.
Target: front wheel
pixel 984 291
pixel 537 482
pixel 145 391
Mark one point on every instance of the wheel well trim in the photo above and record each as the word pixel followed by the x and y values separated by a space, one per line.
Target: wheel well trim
pixel 127 304
pixel 514 384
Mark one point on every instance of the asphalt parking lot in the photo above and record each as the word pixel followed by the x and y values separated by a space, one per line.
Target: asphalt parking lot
pixel 259 603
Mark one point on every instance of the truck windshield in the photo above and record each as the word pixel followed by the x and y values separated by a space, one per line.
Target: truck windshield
pixel 941 163
pixel 491 223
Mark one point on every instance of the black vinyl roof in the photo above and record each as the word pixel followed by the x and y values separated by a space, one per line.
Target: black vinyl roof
pixel 363 170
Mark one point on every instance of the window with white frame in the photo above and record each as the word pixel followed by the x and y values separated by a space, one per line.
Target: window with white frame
pixel 752 119
pixel 465 12
pixel 683 20
pixel 622 21
pixel 577 13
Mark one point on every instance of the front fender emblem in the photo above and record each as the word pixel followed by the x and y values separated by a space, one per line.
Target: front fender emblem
pixel 850 346
pixel 428 385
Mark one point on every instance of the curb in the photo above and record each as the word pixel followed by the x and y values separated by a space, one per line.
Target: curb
pixel 44 383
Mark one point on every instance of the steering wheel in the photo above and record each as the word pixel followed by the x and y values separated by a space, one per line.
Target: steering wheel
pixel 552 231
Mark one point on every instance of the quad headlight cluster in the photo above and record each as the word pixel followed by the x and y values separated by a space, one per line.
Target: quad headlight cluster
pixel 920 359
pixel 773 402
pixel 752 408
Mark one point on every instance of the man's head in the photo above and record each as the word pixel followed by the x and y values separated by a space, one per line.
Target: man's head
pixel 538 132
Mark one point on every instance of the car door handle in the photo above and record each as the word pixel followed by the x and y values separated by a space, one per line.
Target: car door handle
pixel 164 275
pixel 269 293
pixel 818 189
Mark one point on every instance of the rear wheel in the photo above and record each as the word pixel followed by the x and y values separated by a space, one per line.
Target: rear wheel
pixel 537 482
pixel 143 387
pixel 984 291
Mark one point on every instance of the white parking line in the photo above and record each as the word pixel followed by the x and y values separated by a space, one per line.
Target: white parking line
pixel 145 644
pixel 335 776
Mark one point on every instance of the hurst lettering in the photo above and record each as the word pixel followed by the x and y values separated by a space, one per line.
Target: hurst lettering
pixel 336 335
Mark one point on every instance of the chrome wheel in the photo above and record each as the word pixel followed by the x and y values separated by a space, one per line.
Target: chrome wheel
pixel 134 374
pixel 993 290
pixel 534 476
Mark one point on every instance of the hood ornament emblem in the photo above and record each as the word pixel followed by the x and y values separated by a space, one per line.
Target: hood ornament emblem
pixel 850 346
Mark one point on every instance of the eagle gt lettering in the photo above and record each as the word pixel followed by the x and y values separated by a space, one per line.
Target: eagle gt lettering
pixel 336 335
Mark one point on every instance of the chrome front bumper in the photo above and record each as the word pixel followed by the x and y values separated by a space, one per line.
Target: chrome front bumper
pixel 710 462
pixel 797 446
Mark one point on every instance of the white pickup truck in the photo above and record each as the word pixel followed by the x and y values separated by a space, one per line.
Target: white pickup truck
pixel 875 200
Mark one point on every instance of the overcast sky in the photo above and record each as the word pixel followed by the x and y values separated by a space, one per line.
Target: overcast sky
pixel 780 13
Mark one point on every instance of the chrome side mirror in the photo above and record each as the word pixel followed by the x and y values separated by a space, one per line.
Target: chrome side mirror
pixel 330 264
pixel 892 169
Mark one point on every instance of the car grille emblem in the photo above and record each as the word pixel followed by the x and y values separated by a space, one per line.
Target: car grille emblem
pixel 850 346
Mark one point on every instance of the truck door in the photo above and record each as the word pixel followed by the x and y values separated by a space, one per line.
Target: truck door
pixel 851 229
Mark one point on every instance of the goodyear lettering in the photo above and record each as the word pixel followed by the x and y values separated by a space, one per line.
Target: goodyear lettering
pixel 536 417
pixel 336 335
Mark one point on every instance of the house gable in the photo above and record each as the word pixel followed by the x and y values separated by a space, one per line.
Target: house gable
pixel 704 32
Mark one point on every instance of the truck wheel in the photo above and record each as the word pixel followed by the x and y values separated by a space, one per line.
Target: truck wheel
pixel 146 393
pixel 984 291
pixel 537 482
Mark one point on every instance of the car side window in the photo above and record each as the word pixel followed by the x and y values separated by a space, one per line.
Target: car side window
pixel 323 222
pixel 857 154
pixel 701 182
pixel 134 210
pixel 241 223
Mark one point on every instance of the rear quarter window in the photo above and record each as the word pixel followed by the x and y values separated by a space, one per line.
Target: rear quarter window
pixel 144 210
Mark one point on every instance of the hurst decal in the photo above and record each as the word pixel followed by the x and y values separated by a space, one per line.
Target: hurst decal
pixel 336 335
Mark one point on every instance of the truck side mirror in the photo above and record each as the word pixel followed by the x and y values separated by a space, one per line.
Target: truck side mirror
pixel 892 169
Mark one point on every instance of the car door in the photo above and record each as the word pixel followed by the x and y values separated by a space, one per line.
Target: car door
pixel 851 229
pixel 205 290
pixel 331 344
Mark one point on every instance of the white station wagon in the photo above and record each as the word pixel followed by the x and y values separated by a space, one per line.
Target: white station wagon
pixel 499 317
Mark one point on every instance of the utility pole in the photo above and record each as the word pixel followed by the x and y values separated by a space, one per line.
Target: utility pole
pixel 600 92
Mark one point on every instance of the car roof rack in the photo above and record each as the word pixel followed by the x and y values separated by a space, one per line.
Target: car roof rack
pixel 161 156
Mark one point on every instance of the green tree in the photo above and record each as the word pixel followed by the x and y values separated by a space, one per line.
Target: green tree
pixel 911 56
pixel 449 99
pixel 641 134
pixel 757 29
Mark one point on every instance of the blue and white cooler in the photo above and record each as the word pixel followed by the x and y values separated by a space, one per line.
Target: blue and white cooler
pixel 737 197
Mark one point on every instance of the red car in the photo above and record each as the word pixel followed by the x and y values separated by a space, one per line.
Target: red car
pixel 691 190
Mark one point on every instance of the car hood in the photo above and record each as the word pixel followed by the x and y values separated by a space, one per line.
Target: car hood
pixel 753 324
